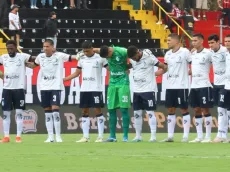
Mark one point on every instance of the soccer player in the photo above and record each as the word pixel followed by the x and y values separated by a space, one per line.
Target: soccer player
pixel 201 97
pixel 145 86
pixel 51 65
pixel 118 95
pixel 90 65
pixel 218 61
pixel 13 96
pixel 177 59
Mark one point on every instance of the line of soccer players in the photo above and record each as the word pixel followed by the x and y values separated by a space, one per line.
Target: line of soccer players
pixel 177 60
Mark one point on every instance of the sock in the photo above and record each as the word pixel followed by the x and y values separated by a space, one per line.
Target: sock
pixel 199 127
pixel 186 124
pixel 138 122
pixel 125 121
pixel 6 123
pixel 152 123
pixel 112 123
pixel 100 125
pixel 57 122
pixel 208 125
pixel 221 121
pixel 19 121
pixel 85 125
pixel 171 125
pixel 228 121
pixel 49 123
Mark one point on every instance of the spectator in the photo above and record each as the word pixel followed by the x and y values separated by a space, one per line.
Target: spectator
pixel 72 4
pixel 202 6
pixel 3 13
pixel 190 4
pixel 33 4
pixel 175 14
pixel 44 3
pixel 15 25
pixel 84 3
pixel 51 28
pixel 167 6
pixel 225 6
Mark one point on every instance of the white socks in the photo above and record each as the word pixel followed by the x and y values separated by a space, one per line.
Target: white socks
pixel 208 125
pixel 100 125
pixel 19 121
pixel 171 125
pixel 138 121
pixel 57 123
pixel 186 124
pixel 85 126
pixel 49 124
pixel 222 122
pixel 152 124
pixel 199 127
pixel 6 123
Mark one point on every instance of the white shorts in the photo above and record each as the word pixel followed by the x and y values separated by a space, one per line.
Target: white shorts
pixel 202 4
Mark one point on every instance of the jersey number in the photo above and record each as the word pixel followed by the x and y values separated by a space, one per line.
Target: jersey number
pixel 22 102
pixel 150 102
pixel 204 100
pixel 54 98
pixel 125 99
pixel 222 98
pixel 179 101
pixel 96 99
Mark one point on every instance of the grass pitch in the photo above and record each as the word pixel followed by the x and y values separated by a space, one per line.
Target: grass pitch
pixel 33 155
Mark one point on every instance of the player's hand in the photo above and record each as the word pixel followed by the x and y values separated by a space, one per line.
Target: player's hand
pixel 1 74
pixel 79 55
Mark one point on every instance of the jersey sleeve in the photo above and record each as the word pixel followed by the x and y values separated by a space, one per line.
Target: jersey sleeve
pixel 26 57
pixel 10 17
pixel 188 56
pixel 65 57
pixel 79 64
pixel 153 60
pixel 37 60
pixel 104 62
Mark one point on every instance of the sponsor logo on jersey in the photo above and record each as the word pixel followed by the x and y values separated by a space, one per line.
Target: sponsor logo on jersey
pixel 88 79
pixel 197 75
pixel 173 76
pixel 12 76
pixel 116 73
pixel 219 72
pixel 139 80
pixel 49 78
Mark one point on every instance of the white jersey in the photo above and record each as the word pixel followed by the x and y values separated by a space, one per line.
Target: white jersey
pixel 91 68
pixel 227 72
pixel 143 73
pixel 51 69
pixel 15 18
pixel 201 63
pixel 178 67
pixel 14 70
pixel 218 61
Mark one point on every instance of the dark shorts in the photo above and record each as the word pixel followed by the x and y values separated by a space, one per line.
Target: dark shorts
pixel 216 93
pixel 91 100
pixel 14 32
pixel 189 4
pixel 50 98
pixel 201 97
pixel 177 98
pixel 13 99
pixel 144 101
pixel 224 99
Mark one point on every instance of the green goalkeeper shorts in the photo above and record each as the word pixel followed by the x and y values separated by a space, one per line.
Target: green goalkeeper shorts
pixel 118 97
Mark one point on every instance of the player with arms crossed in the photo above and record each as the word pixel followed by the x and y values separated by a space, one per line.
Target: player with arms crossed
pixel 90 65
pixel 118 95
pixel 13 95
pixel 177 60
pixel 218 61
pixel 51 66
pixel 145 86
pixel 201 98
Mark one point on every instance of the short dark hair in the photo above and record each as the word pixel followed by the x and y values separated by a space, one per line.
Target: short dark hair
pixel 198 35
pixel 132 51
pixel 104 51
pixel 174 36
pixel 86 45
pixel 12 42
pixel 50 41
pixel 227 36
pixel 214 37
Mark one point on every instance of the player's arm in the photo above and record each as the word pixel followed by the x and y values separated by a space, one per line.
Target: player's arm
pixel 96 50
pixel 163 69
pixel 130 66
pixel 74 75
pixel 30 62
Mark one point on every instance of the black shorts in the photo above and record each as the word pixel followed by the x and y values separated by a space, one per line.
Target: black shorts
pixel 144 101
pixel 201 97
pixel 14 32
pixel 224 99
pixel 190 4
pixel 50 98
pixel 216 93
pixel 177 98
pixel 91 100
pixel 13 99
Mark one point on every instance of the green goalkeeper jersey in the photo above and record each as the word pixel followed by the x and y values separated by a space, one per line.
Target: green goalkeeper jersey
pixel 118 67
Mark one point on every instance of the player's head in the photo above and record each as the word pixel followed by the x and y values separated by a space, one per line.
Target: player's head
pixel 134 53
pixel 227 41
pixel 106 51
pixel 197 40
pixel 48 47
pixel 214 42
pixel 15 8
pixel 87 48
pixel 11 47
pixel 53 15
pixel 173 40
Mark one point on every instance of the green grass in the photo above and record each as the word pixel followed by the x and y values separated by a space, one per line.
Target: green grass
pixel 35 156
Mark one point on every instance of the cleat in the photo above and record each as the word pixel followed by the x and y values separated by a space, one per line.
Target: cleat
pixel 152 140
pixel 136 139
pixel 83 140
pixel 184 140
pixel 110 139
pixel 218 140
pixel 59 139
pixel 49 140
pixel 167 140
pixel 5 140
pixel 99 140
pixel 125 139
pixel 18 140
pixel 206 141
pixel 196 140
